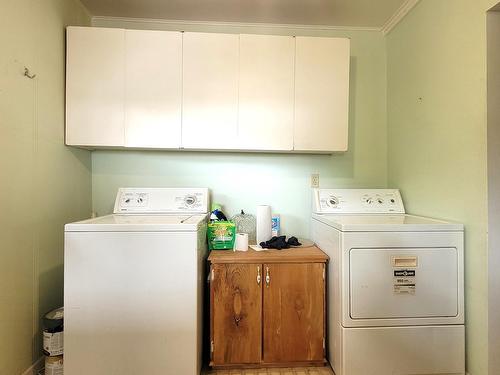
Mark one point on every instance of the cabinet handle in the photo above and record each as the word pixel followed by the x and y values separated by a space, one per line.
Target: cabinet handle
pixel 268 278
pixel 258 275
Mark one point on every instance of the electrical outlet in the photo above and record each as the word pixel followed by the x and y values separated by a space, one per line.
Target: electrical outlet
pixel 315 180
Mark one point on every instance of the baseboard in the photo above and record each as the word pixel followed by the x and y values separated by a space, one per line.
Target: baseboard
pixel 35 367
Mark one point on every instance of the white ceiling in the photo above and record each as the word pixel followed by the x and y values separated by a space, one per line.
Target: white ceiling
pixel 357 13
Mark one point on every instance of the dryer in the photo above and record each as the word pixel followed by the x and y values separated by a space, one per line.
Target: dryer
pixel 133 285
pixel 395 285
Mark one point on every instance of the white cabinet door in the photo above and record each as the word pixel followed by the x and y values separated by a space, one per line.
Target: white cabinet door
pixel 210 91
pixel 153 89
pixel 265 120
pixel 95 86
pixel 321 94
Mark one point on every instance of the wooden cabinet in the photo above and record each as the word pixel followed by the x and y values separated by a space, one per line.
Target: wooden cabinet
pixel 267 307
pixel 153 89
pixel 210 91
pixel 95 87
pixel 321 94
pixel 265 116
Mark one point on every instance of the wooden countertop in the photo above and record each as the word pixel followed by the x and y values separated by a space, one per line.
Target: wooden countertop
pixel 294 255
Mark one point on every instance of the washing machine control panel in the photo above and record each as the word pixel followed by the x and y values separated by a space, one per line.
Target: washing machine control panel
pixel 355 201
pixel 161 200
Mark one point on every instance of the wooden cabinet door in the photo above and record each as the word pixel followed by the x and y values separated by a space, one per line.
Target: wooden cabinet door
pixel 293 312
pixel 210 91
pixel 95 86
pixel 153 89
pixel 236 303
pixel 321 94
pixel 266 92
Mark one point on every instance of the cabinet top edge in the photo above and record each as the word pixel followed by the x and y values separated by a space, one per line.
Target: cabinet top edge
pixel 295 255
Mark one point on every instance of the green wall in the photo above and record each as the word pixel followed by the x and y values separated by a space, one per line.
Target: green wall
pixel 436 101
pixel 240 180
pixel 43 184
pixel 432 145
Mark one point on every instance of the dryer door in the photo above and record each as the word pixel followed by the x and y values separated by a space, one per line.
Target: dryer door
pixel 403 283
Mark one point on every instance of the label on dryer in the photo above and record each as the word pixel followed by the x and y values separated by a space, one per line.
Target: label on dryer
pixel 404 282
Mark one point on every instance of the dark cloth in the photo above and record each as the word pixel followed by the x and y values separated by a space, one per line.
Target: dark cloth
pixel 280 242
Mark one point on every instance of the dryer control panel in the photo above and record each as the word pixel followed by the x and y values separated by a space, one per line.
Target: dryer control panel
pixel 357 201
pixel 161 200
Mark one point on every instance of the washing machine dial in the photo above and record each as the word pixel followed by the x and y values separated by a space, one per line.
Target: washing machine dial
pixel 190 200
pixel 332 201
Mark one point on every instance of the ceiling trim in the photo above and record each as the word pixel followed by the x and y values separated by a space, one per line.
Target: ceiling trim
pixel 159 24
pixel 398 16
pixel 148 23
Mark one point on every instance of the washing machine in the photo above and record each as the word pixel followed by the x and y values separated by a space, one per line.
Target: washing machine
pixel 133 282
pixel 395 285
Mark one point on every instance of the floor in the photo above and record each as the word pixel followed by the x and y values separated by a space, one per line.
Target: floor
pixel 275 371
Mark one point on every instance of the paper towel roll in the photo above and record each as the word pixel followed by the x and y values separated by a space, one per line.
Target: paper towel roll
pixel 264 224
pixel 241 243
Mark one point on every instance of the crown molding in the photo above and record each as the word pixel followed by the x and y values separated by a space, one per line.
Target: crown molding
pixel 162 24
pixel 396 18
pixel 159 24
pixel 85 10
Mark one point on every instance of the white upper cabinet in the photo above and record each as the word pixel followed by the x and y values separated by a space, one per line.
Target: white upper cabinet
pixel 153 89
pixel 210 91
pixel 265 119
pixel 95 86
pixel 321 94
pixel 206 91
